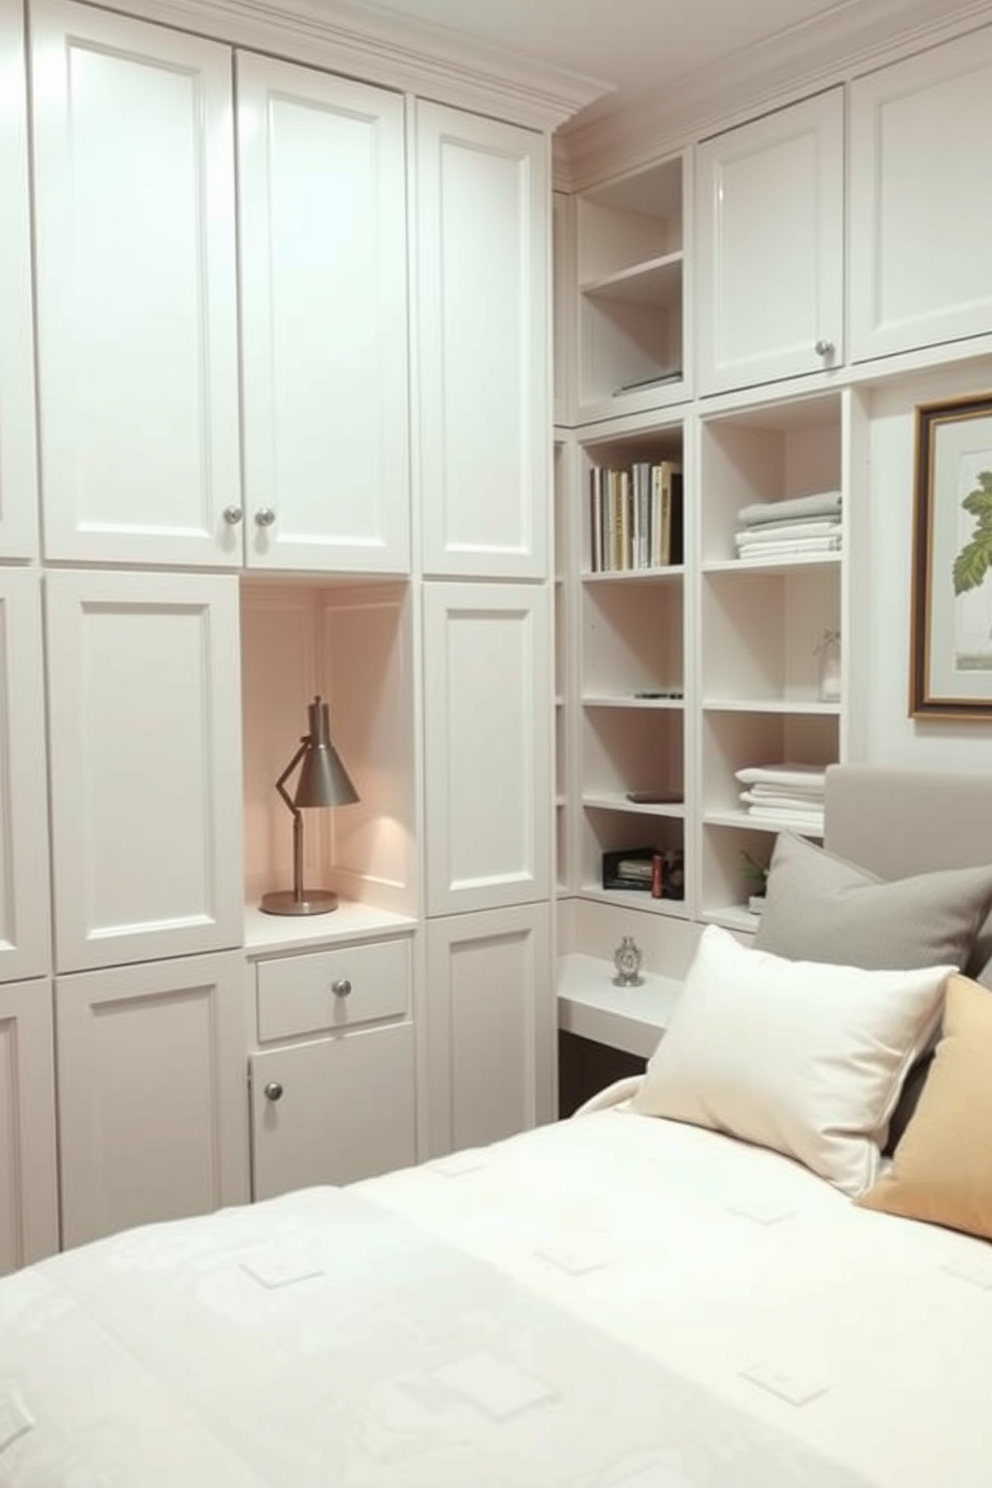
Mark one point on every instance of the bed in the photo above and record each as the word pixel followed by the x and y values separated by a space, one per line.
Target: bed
pixel 668 1290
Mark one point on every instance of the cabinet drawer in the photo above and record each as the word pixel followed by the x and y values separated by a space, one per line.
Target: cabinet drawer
pixel 333 989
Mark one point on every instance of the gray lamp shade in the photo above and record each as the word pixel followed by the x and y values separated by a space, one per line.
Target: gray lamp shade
pixel 323 779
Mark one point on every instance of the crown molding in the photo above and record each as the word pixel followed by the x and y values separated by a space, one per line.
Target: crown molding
pixel 429 61
pixel 798 62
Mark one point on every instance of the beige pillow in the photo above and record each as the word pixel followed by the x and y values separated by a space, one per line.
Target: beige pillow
pixel 942 1168
pixel 819 907
pixel 805 1058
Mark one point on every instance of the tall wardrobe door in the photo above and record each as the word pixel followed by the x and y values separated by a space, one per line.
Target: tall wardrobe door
pixel 322 204
pixel 18 472
pixel 137 303
pixel 483 402
pixel 488 698
pixel 24 889
pixel 144 709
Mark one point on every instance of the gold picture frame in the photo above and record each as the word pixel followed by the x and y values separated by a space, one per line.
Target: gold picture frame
pixel 951 643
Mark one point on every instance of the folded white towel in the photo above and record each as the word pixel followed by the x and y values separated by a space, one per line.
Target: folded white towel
pixel 772 549
pixel 786 531
pixel 778 803
pixel 820 504
pixel 810 821
pixel 786 774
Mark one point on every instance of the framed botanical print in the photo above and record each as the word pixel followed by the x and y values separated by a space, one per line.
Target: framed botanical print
pixel 951 643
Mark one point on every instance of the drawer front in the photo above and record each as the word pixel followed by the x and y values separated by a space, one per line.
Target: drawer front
pixel 333 989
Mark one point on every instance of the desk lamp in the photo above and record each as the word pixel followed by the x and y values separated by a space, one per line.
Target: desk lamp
pixel 322 781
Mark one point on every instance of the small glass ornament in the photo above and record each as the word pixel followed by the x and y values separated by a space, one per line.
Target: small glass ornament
pixel 627 960
pixel 828 653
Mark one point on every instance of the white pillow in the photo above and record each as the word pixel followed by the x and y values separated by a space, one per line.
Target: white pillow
pixel 804 1058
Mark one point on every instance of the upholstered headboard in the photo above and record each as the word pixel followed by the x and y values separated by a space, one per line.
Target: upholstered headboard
pixel 897 822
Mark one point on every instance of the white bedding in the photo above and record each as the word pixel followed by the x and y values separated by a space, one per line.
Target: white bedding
pixel 613 1302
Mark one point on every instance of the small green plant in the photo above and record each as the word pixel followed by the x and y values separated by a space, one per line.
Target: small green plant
pixel 755 874
pixel 975 559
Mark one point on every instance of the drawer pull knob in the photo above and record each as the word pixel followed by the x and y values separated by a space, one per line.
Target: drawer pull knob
pixel 265 516
pixel 273 1090
pixel 233 515
pixel 824 348
pixel 341 988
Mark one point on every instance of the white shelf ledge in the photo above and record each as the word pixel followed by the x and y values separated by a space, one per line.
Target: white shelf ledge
pixel 628 1018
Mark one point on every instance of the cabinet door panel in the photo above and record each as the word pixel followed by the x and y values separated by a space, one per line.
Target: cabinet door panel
pixel 137 312
pixel 488 692
pixel 24 886
pixel 921 204
pixel 151 1076
pixel 29 1219
pixel 347 1110
pixel 770 246
pixel 323 245
pixel 18 472
pixel 483 211
pixel 146 766
pixel 491 1022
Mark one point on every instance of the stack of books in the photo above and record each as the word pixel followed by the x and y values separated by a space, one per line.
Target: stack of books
pixel 635 516
pixel 779 529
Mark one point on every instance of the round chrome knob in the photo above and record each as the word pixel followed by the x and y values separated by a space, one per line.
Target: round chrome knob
pixel 273 1090
pixel 341 988
pixel 824 348
pixel 265 516
pixel 233 515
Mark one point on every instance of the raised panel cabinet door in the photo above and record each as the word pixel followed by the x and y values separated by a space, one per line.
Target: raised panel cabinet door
pixel 151 1089
pixel 333 1111
pixel 482 399
pixel 24 883
pixel 145 724
pixel 490 1026
pixel 18 463
pixel 769 246
pixel 322 210
pixel 921 199
pixel 136 286
pixel 29 1213
pixel 488 699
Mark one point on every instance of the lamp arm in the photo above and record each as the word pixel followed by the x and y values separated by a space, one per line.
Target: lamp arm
pixel 281 782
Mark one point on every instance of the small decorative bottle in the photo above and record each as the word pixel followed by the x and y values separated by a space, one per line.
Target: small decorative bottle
pixel 828 652
pixel 627 960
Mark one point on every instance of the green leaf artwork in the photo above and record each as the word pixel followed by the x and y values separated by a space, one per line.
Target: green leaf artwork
pixel 975 559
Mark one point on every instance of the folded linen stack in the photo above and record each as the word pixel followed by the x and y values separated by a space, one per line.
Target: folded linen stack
pixel 789 794
pixel 779 529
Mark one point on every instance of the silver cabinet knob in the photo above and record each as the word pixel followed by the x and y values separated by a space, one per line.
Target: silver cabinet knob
pixel 824 348
pixel 273 1090
pixel 265 516
pixel 233 515
pixel 341 988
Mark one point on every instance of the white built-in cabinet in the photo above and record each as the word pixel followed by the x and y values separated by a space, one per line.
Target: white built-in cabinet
pixel 491 1032
pixel 142 254
pixel 770 246
pixel 18 473
pixel 151 1080
pixel 322 218
pixel 333 1084
pixel 482 402
pixel 258 288
pixel 921 199
pixel 145 753
pixel 137 289
pixel 29 1213
pixel 24 888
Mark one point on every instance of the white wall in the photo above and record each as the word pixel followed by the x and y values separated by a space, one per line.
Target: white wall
pixel 879 643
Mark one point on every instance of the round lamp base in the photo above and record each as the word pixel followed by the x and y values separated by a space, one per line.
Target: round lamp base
pixel 312 902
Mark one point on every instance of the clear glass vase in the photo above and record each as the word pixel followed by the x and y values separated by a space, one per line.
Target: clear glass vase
pixel 828 655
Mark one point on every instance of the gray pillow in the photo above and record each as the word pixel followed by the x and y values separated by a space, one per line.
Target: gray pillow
pixel 819 907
